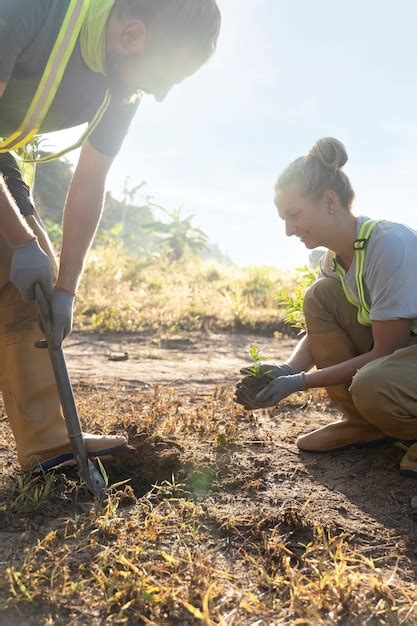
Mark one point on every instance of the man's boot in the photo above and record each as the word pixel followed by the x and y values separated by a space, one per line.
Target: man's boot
pixel 30 394
pixel 335 336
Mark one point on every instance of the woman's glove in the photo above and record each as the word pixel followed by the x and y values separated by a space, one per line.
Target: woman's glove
pixel 272 371
pixel 280 388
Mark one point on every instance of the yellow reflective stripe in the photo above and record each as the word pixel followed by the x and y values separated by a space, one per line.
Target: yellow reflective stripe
pixel 86 134
pixel 363 314
pixel 52 76
pixel 360 303
pixel 360 255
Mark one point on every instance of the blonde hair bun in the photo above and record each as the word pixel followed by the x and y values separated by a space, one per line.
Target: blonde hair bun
pixel 331 152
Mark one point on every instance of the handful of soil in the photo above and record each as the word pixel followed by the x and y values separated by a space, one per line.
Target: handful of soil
pixel 248 388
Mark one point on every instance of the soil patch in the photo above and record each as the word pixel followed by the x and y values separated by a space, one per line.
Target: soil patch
pixel 150 459
pixel 249 387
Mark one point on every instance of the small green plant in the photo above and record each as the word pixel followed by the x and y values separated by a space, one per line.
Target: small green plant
pixel 257 357
pixel 292 301
pixel 30 491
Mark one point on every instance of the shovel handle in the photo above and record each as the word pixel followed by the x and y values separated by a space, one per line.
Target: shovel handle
pixel 87 470
pixel 44 311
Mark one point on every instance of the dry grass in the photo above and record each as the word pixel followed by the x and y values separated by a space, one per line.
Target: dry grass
pixel 182 552
pixel 119 292
pixel 155 561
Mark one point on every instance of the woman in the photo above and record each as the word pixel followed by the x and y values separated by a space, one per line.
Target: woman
pixel 361 314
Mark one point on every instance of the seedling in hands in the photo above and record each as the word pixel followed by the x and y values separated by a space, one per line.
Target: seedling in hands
pixel 255 380
pixel 257 369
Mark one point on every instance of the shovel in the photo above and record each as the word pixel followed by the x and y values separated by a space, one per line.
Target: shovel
pixel 86 469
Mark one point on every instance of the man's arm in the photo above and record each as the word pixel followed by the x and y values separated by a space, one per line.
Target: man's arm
pixel 29 263
pixel 82 215
pixel 12 223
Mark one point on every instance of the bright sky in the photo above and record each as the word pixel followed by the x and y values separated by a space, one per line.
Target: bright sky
pixel 285 74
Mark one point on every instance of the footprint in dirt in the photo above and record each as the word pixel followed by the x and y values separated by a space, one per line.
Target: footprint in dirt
pixel 149 459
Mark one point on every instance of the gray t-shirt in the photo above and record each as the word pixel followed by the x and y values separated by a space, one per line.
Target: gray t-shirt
pixel 28 30
pixel 390 271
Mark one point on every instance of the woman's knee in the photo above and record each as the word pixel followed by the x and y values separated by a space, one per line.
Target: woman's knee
pixel 319 294
pixel 366 389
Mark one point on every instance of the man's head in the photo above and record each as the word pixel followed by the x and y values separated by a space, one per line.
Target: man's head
pixel 153 44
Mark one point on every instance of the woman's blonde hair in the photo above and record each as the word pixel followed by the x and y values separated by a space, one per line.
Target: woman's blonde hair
pixel 319 171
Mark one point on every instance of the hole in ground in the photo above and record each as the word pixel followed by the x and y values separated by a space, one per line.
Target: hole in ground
pixel 149 459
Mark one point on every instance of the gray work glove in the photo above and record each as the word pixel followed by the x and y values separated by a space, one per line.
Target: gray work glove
pixel 61 311
pixel 31 265
pixel 272 371
pixel 280 388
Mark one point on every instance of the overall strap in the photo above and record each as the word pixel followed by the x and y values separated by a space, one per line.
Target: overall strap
pixel 359 245
pixel 86 134
pixel 360 255
pixel 52 76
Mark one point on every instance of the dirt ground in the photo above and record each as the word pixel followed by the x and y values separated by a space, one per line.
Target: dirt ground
pixel 253 467
pixel 353 490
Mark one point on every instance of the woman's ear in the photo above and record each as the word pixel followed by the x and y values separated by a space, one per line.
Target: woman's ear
pixel 330 200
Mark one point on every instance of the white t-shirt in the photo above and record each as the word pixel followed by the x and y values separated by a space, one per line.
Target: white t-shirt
pixel 390 274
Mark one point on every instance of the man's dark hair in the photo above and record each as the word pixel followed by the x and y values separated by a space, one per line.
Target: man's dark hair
pixel 195 22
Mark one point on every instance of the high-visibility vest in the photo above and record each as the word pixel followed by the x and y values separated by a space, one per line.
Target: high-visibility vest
pixel 49 85
pixel 361 303
pixel 359 246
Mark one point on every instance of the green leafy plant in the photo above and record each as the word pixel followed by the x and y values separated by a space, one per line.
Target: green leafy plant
pixel 292 301
pixel 30 490
pixel 257 359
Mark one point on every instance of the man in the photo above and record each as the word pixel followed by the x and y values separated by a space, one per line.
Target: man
pixel 122 46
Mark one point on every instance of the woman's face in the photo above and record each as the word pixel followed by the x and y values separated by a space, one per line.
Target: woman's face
pixel 306 218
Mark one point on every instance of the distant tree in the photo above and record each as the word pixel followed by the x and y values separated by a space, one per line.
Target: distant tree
pixel 178 235
pixel 129 196
pixel 130 221
pixel 51 187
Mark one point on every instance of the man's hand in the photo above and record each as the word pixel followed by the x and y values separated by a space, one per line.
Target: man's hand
pixel 272 371
pixel 31 265
pixel 61 309
pixel 280 388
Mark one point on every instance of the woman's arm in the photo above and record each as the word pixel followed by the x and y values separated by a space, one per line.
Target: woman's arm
pixel 388 336
pixel 301 359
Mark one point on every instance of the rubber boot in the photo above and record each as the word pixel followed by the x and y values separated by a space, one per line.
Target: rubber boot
pixel 408 463
pixel 335 336
pixel 30 394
